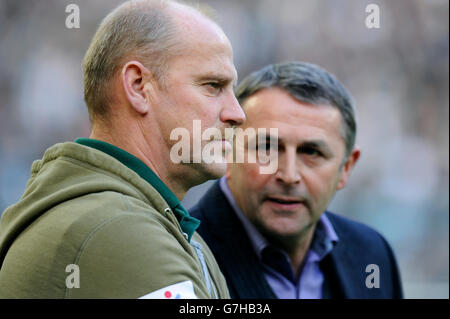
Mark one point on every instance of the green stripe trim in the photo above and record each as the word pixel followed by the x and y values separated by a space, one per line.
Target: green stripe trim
pixel 187 223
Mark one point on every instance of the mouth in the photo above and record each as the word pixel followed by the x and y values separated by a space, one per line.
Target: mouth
pixel 225 143
pixel 285 203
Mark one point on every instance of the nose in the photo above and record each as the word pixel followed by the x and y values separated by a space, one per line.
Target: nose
pixel 288 172
pixel 232 112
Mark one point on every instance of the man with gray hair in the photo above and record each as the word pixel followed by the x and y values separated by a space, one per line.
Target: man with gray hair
pixel 101 217
pixel 271 233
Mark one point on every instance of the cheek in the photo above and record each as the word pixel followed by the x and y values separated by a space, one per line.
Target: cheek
pixel 248 179
pixel 190 100
pixel 254 176
pixel 321 184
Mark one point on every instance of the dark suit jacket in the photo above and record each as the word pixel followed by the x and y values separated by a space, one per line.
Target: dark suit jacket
pixel 344 268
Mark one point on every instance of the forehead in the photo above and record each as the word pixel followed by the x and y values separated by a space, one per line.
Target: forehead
pixel 296 121
pixel 204 48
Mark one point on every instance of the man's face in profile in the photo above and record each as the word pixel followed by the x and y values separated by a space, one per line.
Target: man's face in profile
pixel 311 167
pixel 199 86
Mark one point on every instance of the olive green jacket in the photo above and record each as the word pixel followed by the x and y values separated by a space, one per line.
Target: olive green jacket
pixel 83 207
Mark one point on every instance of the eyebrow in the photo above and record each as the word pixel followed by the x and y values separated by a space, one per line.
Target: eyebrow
pixel 221 78
pixel 317 144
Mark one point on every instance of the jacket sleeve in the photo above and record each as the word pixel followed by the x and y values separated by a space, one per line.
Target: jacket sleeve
pixel 397 290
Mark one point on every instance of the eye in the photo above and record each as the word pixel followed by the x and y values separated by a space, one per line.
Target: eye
pixel 265 146
pixel 310 151
pixel 213 87
pixel 213 84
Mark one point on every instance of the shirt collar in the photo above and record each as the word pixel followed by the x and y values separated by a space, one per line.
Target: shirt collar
pixel 187 223
pixel 256 239
pixel 324 238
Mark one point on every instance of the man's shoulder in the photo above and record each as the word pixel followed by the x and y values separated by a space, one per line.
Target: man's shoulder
pixel 361 246
pixel 352 230
pixel 93 218
pixel 212 201
pixel 100 233
pixel 215 213
pixel 198 212
pixel 91 210
pixel 358 239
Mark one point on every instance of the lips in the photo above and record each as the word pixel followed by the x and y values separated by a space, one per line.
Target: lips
pixel 221 140
pixel 225 143
pixel 283 200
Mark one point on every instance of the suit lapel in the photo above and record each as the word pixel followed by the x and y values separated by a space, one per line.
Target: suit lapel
pixel 241 265
pixel 345 281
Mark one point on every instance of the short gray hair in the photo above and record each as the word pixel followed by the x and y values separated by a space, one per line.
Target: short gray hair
pixel 138 29
pixel 307 83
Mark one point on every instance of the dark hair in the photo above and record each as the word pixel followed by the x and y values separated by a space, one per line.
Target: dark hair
pixel 307 83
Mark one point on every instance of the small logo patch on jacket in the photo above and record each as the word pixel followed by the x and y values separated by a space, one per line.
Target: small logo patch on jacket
pixel 181 290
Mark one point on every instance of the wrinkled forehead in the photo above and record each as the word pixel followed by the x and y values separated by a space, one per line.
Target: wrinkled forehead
pixel 275 108
pixel 194 28
pixel 205 60
pixel 202 45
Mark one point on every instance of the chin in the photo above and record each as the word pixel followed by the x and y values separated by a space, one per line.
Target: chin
pixel 216 170
pixel 283 232
pixel 205 172
pixel 285 227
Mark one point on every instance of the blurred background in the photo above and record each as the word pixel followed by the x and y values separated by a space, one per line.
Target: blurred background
pixel 398 75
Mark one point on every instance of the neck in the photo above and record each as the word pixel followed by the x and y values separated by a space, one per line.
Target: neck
pixel 298 255
pixel 150 155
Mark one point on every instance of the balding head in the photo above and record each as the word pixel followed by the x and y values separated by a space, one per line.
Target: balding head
pixel 149 31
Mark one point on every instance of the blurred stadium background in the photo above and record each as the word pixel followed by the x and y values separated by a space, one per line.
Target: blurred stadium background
pixel 398 75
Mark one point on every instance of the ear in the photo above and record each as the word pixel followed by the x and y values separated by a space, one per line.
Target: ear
pixel 138 87
pixel 228 171
pixel 348 166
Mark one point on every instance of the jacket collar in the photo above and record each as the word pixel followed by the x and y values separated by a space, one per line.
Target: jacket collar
pixel 187 223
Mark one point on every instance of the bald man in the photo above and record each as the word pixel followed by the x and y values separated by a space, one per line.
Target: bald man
pixel 101 217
